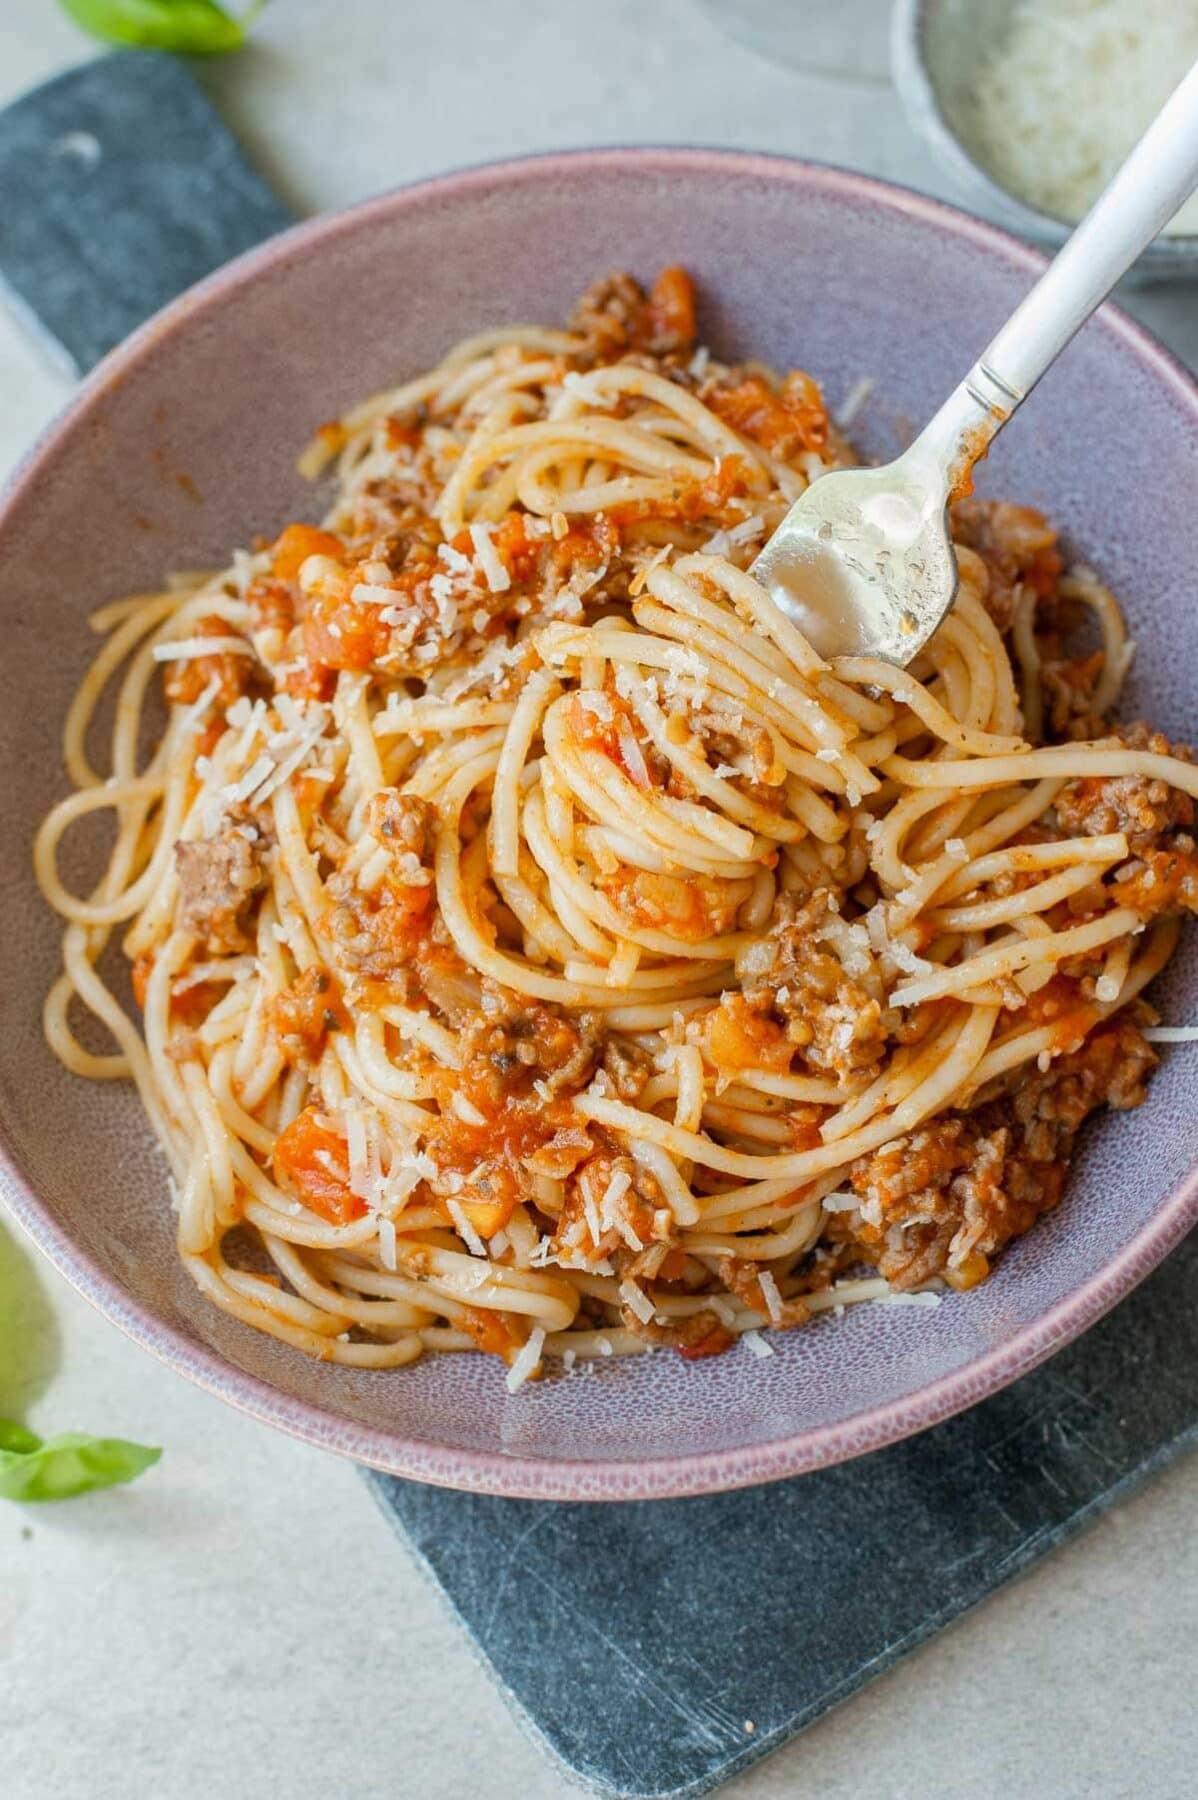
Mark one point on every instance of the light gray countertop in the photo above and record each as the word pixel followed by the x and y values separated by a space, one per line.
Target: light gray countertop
pixel 242 1621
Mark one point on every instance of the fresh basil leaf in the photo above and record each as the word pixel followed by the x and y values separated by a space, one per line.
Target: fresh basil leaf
pixel 15 1437
pixel 72 1463
pixel 188 27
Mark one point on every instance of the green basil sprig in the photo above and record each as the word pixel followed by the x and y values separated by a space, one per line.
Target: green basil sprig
pixel 33 1468
pixel 188 27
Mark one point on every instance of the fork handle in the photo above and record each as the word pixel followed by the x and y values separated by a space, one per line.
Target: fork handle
pixel 1158 176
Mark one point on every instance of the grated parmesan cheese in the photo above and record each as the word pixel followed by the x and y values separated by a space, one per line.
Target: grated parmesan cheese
pixel 756 1344
pixel 857 395
pixel 188 649
pixel 614 1192
pixel 465 1229
pixel 771 1294
pixel 1172 1034
pixel 1068 88
pixel 372 593
pixel 637 1301
pixel 488 559
pixel 527 1360
pixel 466 1110
pixel 253 778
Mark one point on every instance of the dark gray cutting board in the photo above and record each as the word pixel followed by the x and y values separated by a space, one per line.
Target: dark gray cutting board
pixel 651 1649
pixel 638 1643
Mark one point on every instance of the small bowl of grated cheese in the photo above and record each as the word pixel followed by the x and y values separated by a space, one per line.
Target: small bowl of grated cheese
pixel 1033 104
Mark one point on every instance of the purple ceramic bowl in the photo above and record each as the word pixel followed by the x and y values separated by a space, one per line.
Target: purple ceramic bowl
pixel 183 444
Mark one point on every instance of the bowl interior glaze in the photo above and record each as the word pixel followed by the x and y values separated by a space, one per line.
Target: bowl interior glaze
pixel 183 445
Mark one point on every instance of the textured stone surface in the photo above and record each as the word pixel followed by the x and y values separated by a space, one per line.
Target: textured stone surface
pixel 121 188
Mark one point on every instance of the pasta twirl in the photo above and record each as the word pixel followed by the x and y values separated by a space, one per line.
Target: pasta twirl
pixel 538 947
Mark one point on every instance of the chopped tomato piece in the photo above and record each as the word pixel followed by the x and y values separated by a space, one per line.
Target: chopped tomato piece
pixel 489 1216
pixel 740 1037
pixel 341 635
pixel 310 681
pixel 692 908
pixel 140 974
pixel 307 1010
pixel 493 1332
pixel 972 1271
pixel 672 308
pixel 513 548
pixel 271 603
pixel 718 1339
pixel 792 419
pixel 312 1162
pixel 183 682
pixel 296 543
pixel 611 731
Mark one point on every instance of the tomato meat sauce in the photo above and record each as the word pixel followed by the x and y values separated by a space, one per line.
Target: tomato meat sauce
pixel 311 1161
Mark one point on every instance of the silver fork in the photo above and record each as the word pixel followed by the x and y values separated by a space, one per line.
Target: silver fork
pixel 863 562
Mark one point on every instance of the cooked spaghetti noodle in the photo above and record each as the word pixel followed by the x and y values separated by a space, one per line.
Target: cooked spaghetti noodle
pixel 539 947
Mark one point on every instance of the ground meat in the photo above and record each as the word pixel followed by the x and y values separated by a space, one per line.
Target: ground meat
pixel 1018 546
pixel 382 932
pixel 218 878
pixel 743 1279
pixel 520 1043
pixel 378 935
pixel 403 822
pixel 1067 685
pixel 1111 1068
pixel 610 312
pixel 633 1220
pixel 837 1020
pixel 615 314
pixel 304 1013
pixel 946 1199
pixel 627 1067
pixel 694 1335
pixel 1147 810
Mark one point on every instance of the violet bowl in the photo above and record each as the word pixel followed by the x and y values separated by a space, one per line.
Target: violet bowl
pixel 183 443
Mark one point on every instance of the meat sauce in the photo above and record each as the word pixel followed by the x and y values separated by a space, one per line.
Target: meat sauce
pixel 311 1161
pixel 785 421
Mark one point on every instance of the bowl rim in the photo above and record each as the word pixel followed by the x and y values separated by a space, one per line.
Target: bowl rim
pixel 1175 254
pixel 527 1476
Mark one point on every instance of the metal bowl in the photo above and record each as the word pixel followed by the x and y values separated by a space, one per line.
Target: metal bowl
pixel 935 48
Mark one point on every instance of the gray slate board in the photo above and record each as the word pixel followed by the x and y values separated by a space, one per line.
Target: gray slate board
pixel 120 187
pixel 635 1642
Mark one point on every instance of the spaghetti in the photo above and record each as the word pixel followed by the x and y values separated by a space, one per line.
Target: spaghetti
pixel 539 947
